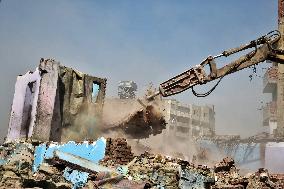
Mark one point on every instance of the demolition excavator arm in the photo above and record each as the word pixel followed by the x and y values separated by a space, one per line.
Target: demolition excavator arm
pixel 263 49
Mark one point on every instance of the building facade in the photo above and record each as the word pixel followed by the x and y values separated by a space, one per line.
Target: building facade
pixel 270 109
pixel 273 82
pixel 186 120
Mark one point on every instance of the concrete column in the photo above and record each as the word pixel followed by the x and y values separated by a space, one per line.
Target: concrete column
pixel 48 111
pixel 280 82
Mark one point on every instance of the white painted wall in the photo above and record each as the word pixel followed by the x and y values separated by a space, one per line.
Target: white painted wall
pixel 17 111
pixel 274 157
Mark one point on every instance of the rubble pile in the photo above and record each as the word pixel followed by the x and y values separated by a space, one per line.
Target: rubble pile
pixel 118 152
pixel 227 175
pixel 192 176
pixel 157 170
pixel 262 179
pixel 140 124
pixel 278 179
pixel 109 163
pixel 16 169
pixel 226 165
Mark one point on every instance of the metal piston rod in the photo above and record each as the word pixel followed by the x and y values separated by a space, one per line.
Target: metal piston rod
pixel 263 50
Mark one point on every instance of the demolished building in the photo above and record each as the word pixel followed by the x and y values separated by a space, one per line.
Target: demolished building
pixel 127 89
pixel 57 103
pixel 50 102
pixel 50 99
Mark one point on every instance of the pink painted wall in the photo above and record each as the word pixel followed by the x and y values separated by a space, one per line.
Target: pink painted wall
pixel 23 99
pixel 48 115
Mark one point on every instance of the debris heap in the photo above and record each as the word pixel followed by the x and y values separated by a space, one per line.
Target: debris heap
pixel 141 123
pixel 157 170
pixel 16 169
pixel 192 176
pixel 227 175
pixel 262 179
pixel 118 152
pixel 109 163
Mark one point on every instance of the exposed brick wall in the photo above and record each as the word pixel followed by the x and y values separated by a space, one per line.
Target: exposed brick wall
pixel 118 151
pixel 280 9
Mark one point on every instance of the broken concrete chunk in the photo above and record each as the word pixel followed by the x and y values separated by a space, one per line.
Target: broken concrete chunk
pixel 191 178
pixel 225 165
pixel 77 178
pixel 141 123
pixel 78 161
pixel 47 169
pixel 93 151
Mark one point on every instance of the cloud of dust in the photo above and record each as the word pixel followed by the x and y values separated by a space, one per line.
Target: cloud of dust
pixel 116 110
pixel 167 145
pixel 88 126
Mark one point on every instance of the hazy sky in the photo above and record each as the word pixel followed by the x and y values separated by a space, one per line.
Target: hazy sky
pixel 142 41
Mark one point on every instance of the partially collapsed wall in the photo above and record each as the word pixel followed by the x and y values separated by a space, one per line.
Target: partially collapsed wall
pixel 48 102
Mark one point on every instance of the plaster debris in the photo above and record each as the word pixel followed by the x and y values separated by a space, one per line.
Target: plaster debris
pixel 98 164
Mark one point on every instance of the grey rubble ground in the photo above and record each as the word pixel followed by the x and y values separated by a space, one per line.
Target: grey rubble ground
pixel 143 171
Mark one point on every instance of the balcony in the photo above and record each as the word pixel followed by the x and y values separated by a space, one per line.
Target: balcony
pixel 269 113
pixel 270 80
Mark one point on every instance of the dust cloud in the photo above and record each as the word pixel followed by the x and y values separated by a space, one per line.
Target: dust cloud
pixel 116 110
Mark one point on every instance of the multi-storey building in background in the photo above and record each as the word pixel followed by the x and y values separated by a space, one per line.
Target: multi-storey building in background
pixel 270 109
pixel 127 89
pixel 186 120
